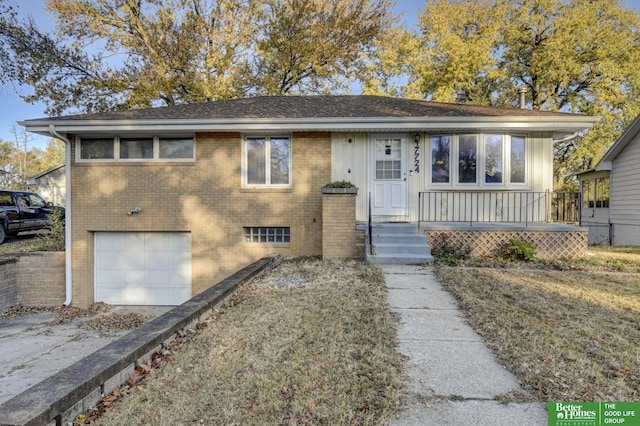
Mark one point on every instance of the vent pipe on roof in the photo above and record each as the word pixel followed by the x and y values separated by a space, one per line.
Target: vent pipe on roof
pixel 522 91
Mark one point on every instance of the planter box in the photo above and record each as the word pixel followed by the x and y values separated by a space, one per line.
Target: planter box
pixel 339 190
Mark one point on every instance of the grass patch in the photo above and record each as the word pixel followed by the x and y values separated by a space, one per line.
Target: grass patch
pixel 311 342
pixel 30 242
pixel 567 335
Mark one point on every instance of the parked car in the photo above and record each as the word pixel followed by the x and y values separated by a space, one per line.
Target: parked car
pixel 22 211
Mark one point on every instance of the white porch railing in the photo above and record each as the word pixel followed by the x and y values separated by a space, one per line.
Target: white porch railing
pixel 497 206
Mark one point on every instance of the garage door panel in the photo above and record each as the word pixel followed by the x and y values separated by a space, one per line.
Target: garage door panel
pixel 132 260
pixel 132 241
pixel 158 260
pixel 141 268
pixel 157 278
pixel 108 277
pixel 132 278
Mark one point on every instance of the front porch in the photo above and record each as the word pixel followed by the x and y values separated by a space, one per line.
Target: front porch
pixel 552 240
pixel 410 243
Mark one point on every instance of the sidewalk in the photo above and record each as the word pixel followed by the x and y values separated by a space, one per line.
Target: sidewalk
pixel 454 377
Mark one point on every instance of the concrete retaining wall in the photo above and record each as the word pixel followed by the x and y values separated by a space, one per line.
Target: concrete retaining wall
pixel 72 391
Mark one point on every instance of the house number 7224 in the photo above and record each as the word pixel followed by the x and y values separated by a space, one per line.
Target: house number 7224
pixel 416 158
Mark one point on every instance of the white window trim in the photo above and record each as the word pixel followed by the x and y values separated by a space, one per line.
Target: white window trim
pixel 480 183
pixel 244 165
pixel 116 151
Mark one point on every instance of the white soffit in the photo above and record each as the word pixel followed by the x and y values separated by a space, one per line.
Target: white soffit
pixel 427 124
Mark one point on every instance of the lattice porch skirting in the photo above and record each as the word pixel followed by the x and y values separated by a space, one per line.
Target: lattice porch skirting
pixel 549 244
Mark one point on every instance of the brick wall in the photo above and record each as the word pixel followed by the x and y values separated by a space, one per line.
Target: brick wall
pixel 339 236
pixel 40 278
pixel 8 289
pixel 204 198
pixel 32 279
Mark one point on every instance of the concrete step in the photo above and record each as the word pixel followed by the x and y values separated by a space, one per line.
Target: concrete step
pixel 398 238
pixel 399 259
pixel 398 244
pixel 384 248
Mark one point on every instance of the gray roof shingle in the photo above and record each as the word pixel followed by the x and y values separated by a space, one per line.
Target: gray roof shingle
pixel 298 107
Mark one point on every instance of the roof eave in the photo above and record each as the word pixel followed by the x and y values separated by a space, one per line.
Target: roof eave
pixel 551 123
pixel 628 135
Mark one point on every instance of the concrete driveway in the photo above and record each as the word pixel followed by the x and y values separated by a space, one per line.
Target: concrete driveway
pixel 32 349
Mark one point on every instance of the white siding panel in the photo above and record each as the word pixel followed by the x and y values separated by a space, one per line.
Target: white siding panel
pixel 349 162
pixel 625 195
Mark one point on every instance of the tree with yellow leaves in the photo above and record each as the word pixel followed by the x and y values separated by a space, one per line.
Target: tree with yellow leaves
pixel 122 54
pixel 575 56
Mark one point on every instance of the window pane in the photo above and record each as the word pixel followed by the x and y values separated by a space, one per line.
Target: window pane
pixel 588 193
pixel 467 159
pixel 518 159
pixel 267 235
pixel 440 148
pixel 136 148
pixel 388 155
pixel 256 170
pixel 602 192
pixel 280 161
pixel 94 149
pixel 36 201
pixel 493 159
pixel 176 148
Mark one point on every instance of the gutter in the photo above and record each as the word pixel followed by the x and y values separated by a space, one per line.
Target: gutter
pixel 567 138
pixel 67 214
pixel 568 124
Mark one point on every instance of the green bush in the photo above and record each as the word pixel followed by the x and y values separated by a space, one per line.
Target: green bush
pixel 340 184
pixel 519 250
pixel 54 239
pixel 446 249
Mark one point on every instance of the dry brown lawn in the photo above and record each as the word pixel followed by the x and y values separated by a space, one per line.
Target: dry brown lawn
pixel 311 342
pixel 569 330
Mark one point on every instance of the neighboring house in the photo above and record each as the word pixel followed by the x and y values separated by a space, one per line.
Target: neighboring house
pixel 167 201
pixel 611 193
pixel 51 185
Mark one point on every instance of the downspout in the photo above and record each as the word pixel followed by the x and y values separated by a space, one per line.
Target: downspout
pixel 67 214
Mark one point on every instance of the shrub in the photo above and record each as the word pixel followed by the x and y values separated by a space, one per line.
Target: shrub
pixel 340 184
pixel 447 249
pixel 54 239
pixel 519 250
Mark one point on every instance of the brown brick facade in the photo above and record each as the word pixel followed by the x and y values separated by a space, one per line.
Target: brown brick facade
pixel 204 198
pixel 339 236
pixel 40 278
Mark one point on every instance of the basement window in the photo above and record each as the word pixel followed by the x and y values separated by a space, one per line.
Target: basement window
pixel 267 234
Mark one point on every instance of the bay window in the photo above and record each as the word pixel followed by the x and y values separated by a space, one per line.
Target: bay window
pixel 478 160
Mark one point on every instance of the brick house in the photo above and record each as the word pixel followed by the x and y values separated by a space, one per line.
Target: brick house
pixel 164 202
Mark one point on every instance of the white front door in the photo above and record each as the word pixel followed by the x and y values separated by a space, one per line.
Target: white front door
pixel 389 177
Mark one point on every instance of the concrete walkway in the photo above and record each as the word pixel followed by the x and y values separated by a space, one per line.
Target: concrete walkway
pixel 454 377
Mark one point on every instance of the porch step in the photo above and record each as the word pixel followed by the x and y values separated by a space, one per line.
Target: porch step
pixel 398 244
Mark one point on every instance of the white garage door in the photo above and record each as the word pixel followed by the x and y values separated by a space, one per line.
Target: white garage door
pixel 142 268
